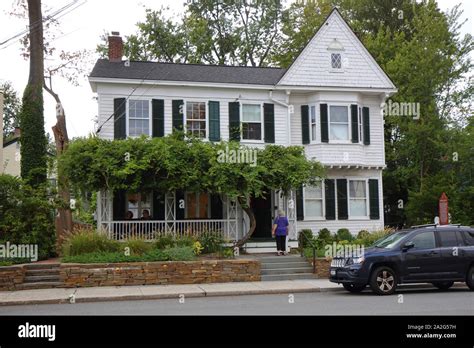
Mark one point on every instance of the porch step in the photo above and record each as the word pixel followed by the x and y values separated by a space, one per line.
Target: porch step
pixel 284 260
pixel 40 285
pixel 35 266
pixel 42 272
pixel 287 271
pixel 296 276
pixel 280 265
pixel 41 278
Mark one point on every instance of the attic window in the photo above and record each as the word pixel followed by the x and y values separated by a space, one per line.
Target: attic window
pixel 336 61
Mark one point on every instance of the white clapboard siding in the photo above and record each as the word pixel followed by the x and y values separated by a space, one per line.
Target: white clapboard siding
pixel 313 66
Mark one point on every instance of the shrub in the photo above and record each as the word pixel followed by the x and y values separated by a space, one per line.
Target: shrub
pixel 185 241
pixel 211 242
pixel 344 234
pixel 138 246
pixel 325 236
pixel 179 254
pixel 197 248
pixel 363 234
pixel 227 253
pixel 305 237
pixel 89 241
pixel 164 241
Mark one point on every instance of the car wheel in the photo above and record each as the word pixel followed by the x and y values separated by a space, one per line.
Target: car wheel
pixel 353 288
pixel 470 278
pixel 383 281
pixel 443 285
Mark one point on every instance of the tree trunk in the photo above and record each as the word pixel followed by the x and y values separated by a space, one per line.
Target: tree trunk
pixel 36 43
pixel 253 223
pixel 64 223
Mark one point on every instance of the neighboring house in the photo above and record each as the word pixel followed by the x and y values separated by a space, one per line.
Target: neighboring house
pixel 328 100
pixel 11 155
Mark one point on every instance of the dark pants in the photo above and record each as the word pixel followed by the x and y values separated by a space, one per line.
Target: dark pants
pixel 281 243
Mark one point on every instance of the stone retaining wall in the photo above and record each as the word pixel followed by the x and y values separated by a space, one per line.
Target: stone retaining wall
pixel 148 273
pixel 11 277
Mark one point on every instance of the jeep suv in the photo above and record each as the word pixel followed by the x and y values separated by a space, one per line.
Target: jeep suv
pixel 435 254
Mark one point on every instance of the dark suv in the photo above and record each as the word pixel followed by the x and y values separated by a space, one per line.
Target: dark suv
pixel 440 255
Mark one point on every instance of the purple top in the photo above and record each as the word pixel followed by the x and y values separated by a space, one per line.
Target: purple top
pixel 282 224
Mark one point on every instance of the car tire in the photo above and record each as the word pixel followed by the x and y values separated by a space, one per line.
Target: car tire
pixel 443 285
pixel 470 278
pixel 383 281
pixel 353 288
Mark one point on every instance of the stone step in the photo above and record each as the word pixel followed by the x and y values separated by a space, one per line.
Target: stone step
pixel 287 271
pixel 269 277
pixel 281 259
pixel 41 278
pixel 35 266
pixel 37 272
pixel 40 285
pixel 279 265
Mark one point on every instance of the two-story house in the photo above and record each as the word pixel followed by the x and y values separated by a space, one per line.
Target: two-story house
pixel 328 100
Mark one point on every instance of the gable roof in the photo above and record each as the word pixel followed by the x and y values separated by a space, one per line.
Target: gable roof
pixel 312 66
pixel 187 72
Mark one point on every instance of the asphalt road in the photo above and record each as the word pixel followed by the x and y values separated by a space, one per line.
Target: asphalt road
pixel 407 302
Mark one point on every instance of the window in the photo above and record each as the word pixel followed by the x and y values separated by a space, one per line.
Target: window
pixel 336 62
pixel 196 119
pixel 197 205
pixel 339 122
pixel 448 239
pixel 424 240
pixel 361 132
pixel 312 114
pixel 137 203
pixel 138 117
pixel 252 121
pixel 469 237
pixel 357 198
pixel 313 201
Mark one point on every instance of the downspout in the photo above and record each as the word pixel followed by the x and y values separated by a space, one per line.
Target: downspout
pixel 288 114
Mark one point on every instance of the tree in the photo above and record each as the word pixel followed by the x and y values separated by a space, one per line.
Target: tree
pixel 173 163
pixel 33 139
pixel 11 109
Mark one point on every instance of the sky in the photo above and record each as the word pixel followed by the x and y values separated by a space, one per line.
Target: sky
pixel 81 29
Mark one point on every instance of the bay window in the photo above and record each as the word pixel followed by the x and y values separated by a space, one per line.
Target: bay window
pixel 339 123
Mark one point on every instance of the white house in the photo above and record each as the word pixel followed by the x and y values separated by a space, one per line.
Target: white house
pixel 328 100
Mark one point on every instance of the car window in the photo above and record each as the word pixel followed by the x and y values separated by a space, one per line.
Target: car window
pixel 424 240
pixel 469 237
pixel 448 238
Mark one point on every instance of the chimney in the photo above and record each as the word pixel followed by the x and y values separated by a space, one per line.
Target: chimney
pixel 115 47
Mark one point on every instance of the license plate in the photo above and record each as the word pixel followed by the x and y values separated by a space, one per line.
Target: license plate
pixel 333 272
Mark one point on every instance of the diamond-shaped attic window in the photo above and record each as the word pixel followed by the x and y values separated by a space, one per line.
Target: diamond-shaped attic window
pixel 336 61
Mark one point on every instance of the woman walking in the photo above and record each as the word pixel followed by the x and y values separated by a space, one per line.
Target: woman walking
pixel 280 231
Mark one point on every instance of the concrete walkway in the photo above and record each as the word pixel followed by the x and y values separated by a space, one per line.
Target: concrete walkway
pixel 151 292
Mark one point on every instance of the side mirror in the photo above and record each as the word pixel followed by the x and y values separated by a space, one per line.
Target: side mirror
pixel 408 245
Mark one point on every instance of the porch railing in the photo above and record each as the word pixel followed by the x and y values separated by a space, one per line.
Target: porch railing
pixel 151 230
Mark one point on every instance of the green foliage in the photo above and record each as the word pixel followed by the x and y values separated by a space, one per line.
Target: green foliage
pixel 325 236
pixel 226 253
pixel 88 241
pixel 138 246
pixel 306 236
pixel 185 241
pixel 33 138
pixel 185 253
pixel 11 109
pixel 164 241
pixel 363 234
pixel 344 234
pixel 26 215
pixel 197 248
pixel 211 242
pixel 367 239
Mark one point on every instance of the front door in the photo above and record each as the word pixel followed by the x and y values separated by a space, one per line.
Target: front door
pixel 262 209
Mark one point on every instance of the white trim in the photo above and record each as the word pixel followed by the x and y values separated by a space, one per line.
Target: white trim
pixel 127 116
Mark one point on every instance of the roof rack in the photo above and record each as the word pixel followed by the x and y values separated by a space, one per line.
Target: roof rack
pixel 437 225
pixel 427 225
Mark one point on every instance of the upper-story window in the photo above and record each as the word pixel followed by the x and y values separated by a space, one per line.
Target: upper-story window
pixel 361 130
pixel 138 117
pixel 312 115
pixel 338 123
pixel 336 61
pixel 251 122
pixel 196 119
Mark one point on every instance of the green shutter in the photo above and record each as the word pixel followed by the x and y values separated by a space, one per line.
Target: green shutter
pixel 216 207
pixel 179 211
pixel 342 199
pixel 374 199
pixel 177 113
pixel 158 117
pixel 158 206
pixel 366 122
pixel 234 121
pixel 323 108
pixel 304 124
pixel 120 118
pixel 330 197
pixel 299 204
pixel 214 121
pixel 119 205
pixel 269 122
pixel 355 123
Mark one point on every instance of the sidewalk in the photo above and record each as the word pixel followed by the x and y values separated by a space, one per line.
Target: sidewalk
pixel 153 292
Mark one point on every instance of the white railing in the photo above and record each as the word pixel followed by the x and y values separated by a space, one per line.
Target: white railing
pixel 151 230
